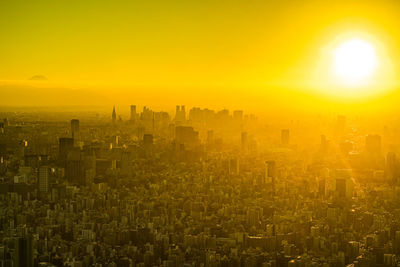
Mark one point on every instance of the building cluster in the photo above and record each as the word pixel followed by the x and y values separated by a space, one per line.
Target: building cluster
pixel 206 188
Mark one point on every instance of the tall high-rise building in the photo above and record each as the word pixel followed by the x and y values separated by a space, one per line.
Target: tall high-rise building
pixel 75 132
pixel 147 115
pixel 114 115
pixel 74 170
pixel 343 183
pixel 392 169
pixel 23 252
pixel 270 171
pixel 43 181
pixel 397 242
pixel 186 135
pixel 180 115
pixel 75 128
pixel 133 112
pixel 244 140
pixel 183 112
pixel 65 145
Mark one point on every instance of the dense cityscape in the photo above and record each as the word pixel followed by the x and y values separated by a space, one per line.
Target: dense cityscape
pixel 197 188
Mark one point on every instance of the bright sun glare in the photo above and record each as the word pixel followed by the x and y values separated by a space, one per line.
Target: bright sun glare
pixel 354 62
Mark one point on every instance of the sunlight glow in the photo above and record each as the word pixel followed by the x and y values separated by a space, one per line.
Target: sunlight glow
pixel 354 62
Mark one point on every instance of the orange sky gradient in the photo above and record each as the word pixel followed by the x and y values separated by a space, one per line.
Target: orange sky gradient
pixel 255 54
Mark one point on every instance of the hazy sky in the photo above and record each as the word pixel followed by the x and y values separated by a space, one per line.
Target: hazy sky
pixel 167 45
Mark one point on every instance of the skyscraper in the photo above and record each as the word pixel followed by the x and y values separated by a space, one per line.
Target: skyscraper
pixel 65 145
pixel 75 131
pixel 244 140
pixel 180 115
pixel 114 115
pixel 74 128
pixel 74 170
pixel 43 180
pixel 23 252
pixel 392 167
pixel 133 112
pixel 343 183
pixel 270 171
pixel 186 135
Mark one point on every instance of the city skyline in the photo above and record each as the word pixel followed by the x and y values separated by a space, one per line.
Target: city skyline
pixel 168 133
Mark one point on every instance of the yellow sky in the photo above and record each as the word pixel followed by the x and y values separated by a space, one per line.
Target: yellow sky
pixel 171 46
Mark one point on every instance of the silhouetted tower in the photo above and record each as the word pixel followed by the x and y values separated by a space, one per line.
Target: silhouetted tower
pixel 392 167
pixel 180 115
pixel 75 131
pixel 133 112
pixel 114 115
pixel 270 171
pixel 74 127
pixel 244 140
pixel 23 251
pixel 183 112
pixel 153 122
pixel 65 145
pixel 43 181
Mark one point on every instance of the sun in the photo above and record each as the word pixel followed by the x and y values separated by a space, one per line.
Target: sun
pixel 354 62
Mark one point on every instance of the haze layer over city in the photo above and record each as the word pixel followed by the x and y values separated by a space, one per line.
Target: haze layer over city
pixel 199 133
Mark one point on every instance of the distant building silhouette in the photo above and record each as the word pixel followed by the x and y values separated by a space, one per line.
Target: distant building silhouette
pixel 186 135
pixel 114 115
pixel 44 173
pixel 23 251
pixel 180 115
pixel 343 183
pixel 244 140
pixel 270 171
pixel 65 145
pixel 75 131
pixel 133 112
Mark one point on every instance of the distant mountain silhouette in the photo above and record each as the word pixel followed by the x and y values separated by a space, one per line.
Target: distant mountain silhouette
pixel 38 78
